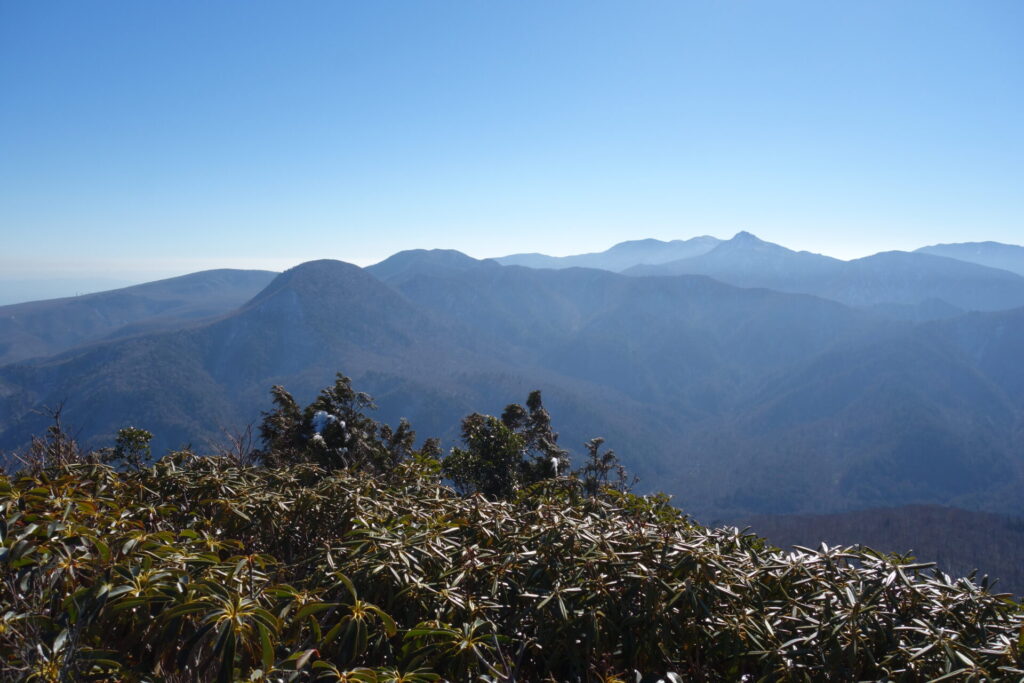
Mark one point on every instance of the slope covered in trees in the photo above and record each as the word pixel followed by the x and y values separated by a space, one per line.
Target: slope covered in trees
pixel 737 401
pixel 45 328
pixel 338 553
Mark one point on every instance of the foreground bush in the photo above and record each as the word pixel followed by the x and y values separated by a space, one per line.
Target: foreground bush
pixel 201 569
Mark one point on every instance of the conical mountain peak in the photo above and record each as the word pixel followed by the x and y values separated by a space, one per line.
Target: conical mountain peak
pixel 744 237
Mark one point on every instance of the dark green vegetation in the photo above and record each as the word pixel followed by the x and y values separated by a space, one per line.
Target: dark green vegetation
pixel 337 553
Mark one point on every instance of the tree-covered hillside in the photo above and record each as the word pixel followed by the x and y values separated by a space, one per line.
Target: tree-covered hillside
pixel 45 328
pixel 341 551
pixel 816 406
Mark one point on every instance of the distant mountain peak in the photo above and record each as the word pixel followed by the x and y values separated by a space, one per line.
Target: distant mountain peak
pixel 992 254
pixel 621 256
pixel 318 270
pixel 645 242
pixel 320 265
pixel 412 262
pixel 654 243
pixel 744 241
pixel 448 257
pixel 744 237
pixel 986 243
pixel 322 276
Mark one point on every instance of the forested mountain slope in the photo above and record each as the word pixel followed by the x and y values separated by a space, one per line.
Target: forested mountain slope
pixel 45 328
pixel 737 401
pixel 192 384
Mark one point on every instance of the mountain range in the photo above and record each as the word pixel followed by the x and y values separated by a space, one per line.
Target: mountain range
pixel 44 328
pixel 933 282
pixel 630 254
pixel 887 280
pixel 992 254
pixel 739 400
pixel 621 256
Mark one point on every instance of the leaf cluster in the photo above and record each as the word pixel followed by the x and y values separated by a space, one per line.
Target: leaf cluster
pixel 197 569
pixel 209 569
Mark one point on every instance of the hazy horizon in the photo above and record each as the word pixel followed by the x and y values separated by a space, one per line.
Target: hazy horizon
pixel 72 282
pixel 163 139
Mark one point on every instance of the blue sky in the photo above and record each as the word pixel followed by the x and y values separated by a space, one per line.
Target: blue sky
pixel 143 139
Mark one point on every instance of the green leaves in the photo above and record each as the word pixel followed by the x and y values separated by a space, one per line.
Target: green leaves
pixel 203 569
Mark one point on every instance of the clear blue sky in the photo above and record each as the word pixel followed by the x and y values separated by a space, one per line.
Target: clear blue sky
pixel 151 138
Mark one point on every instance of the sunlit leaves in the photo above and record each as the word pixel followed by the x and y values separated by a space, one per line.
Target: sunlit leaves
pixel 213 571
